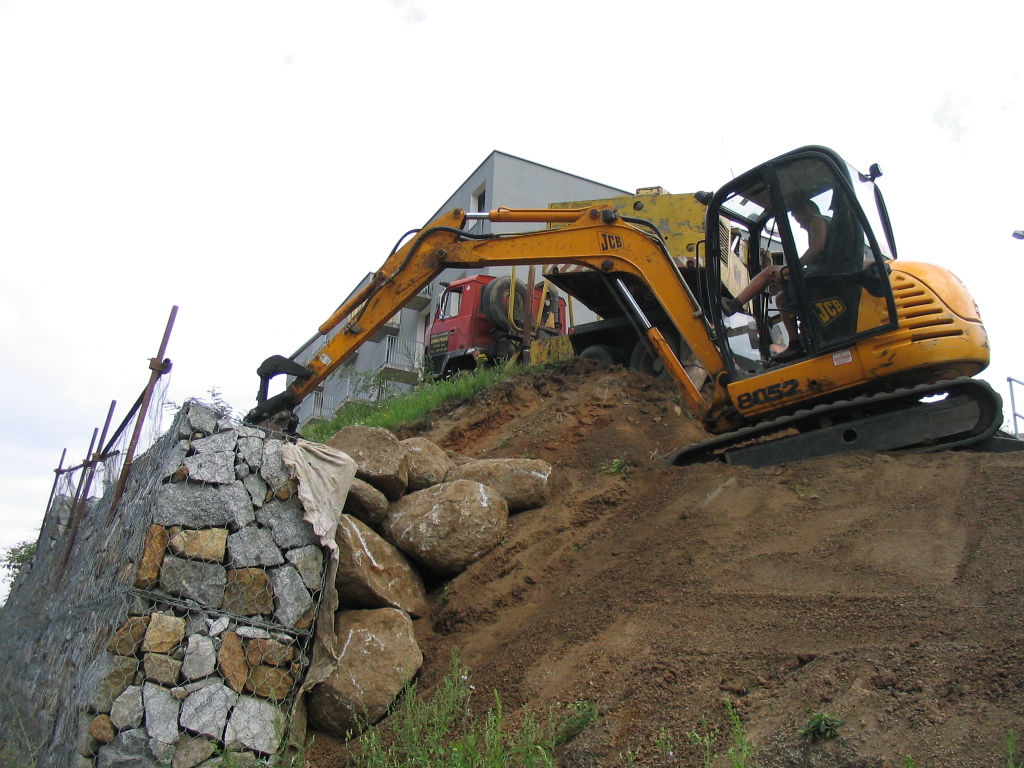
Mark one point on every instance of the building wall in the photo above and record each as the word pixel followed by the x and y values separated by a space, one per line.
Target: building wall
pixel 501 180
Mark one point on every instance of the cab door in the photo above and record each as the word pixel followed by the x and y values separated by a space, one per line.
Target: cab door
pixel 840 292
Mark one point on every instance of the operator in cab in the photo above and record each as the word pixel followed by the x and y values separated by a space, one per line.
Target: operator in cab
pixel 773 277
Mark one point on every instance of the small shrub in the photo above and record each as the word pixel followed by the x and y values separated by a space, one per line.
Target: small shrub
pixel 215 403
pixel 15 558
pixel 581 714
pixel 615 467
pixel 821 726
pixel 664 744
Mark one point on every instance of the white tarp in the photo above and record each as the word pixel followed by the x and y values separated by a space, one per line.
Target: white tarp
pixel 324 477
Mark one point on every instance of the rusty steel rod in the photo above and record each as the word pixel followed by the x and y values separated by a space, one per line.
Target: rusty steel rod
pixel 82 500
pixel 74 517
pixel 105 449
pixel 158 366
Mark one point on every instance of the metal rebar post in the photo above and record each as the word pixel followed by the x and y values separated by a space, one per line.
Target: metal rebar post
pixel 158 366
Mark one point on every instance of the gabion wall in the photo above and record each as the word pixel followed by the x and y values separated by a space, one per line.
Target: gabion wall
pixel 189 620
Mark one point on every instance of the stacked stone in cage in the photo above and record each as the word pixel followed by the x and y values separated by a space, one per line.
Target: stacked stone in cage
pixel 222 605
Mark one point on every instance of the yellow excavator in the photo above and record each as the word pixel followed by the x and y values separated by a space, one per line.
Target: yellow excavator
pixel 887 347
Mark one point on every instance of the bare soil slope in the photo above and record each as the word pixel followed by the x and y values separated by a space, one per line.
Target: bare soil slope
pixel 886 590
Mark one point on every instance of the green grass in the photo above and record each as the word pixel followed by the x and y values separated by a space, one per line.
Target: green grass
pixel 1011 750
pixel 406 408
pixel 441 731
pixel 741 749
pixel 705 743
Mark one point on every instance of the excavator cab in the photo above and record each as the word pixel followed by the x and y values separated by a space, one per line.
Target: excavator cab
pixel 824 225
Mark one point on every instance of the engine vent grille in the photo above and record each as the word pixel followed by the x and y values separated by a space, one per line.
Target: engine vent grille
pixel 921 315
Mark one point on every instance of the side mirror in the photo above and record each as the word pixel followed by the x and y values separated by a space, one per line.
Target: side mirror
pixel 873 173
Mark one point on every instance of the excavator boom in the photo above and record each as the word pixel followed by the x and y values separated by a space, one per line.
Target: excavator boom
pixel 627 255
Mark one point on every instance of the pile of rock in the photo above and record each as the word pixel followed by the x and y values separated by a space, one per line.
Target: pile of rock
pixel 216 643
pixel 221 610
pixel 411 507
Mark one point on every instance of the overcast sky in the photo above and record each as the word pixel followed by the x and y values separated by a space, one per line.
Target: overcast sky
pixel 250 161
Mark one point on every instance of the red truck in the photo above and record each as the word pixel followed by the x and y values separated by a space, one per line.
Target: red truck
pixel 473 326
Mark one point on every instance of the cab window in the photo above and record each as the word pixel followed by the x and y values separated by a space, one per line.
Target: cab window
pixel 448 306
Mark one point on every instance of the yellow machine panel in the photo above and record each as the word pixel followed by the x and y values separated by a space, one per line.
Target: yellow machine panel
pixel 680 219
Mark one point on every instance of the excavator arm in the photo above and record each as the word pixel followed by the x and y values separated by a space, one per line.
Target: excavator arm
pixel 594 237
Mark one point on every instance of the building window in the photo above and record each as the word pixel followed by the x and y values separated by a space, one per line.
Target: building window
pixel 478 200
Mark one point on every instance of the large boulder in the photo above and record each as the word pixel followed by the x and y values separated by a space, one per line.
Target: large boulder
pixel 448 526
pixel 373 574
pixel 380 456
pixel 379 656
pixel 365 502
pixel 428 464
pixel 522 483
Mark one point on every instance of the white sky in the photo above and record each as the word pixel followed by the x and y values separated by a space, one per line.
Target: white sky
pixel 250 161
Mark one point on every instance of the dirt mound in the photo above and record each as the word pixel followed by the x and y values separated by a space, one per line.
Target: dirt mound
pixel 886 590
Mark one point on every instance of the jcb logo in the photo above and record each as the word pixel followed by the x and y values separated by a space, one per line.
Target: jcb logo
pixel 828 310
pixel 610 242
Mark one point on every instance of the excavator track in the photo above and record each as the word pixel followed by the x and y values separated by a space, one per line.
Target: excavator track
pixel 970 413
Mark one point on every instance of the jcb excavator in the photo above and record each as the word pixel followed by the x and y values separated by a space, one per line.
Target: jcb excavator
pixel 889 347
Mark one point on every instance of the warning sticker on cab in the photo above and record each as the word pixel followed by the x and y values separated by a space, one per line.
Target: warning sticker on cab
pixel 842 357
pixel 439 342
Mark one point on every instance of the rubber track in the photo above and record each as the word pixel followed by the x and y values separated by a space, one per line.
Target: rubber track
pixel 983 395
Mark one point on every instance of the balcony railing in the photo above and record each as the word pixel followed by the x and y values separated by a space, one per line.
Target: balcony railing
pixel 323 405
pixel 399 359
pixel 1013 405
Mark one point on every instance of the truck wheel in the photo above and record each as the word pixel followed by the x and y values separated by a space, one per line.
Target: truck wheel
pixel 494 303
pixel 646 362
pixel 603 354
